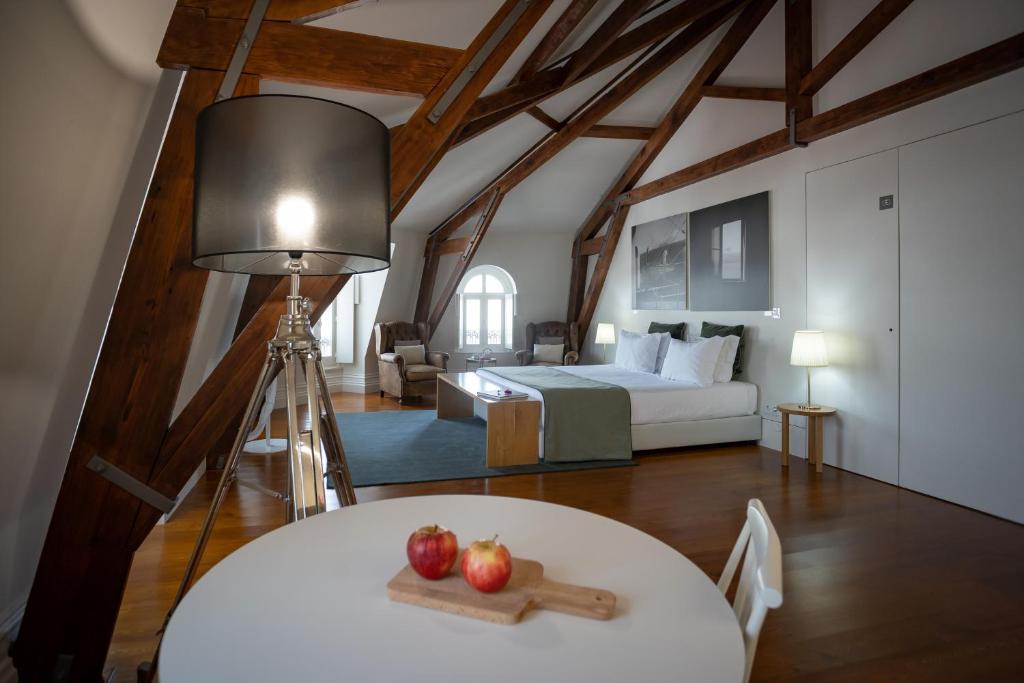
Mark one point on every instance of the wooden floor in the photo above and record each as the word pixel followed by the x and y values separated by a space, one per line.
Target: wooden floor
pixel 880 584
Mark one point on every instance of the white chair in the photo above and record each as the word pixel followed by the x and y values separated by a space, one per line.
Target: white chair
pixel 760 584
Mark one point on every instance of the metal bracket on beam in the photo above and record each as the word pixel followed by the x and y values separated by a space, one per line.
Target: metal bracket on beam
pixel 791 126
pixel 477 61
pixel 241 53
pixel 127 482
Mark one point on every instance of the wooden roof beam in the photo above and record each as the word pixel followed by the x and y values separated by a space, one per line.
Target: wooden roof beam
pixel 851 45
pixel 743 92
pixel 554 38
pixel 421 142
pixel 968 70
pixel 798 58
pixel 615 93
pixel 711 69
pixel 734 39
pixel 500 106
pixel 307 54
pixel 620 18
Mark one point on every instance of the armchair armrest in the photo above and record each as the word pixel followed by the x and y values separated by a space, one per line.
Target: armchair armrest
pixel 524 357
pixel 571 358
pixel 439 359
pixel 394 359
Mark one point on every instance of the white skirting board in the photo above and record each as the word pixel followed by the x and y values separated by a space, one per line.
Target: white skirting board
pixel 696 432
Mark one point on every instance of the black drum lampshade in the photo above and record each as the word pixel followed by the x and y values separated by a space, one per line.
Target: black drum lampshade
pixel 277 176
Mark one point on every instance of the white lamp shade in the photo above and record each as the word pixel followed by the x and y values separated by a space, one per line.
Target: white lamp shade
pixel 605 333
pixel 809 349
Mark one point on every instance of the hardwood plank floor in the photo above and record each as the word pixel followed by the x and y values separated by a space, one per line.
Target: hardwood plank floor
pixel 881 584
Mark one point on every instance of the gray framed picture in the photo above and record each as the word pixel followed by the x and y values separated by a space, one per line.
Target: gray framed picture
pixel 659 264
pixel 729 256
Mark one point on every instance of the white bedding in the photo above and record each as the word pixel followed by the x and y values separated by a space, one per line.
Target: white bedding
pixel 654 399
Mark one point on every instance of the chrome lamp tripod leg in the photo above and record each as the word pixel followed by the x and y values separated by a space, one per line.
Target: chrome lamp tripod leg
pixel 337 463
pixel 227 476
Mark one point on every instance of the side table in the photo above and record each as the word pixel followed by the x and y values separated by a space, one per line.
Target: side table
pixel 481 361
pixel 815 431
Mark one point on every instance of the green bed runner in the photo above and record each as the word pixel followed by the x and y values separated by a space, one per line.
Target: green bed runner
pixel 583 419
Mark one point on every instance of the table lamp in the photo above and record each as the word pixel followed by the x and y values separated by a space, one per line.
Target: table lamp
pixel 288 185
pixel 809 352
pixel 605 336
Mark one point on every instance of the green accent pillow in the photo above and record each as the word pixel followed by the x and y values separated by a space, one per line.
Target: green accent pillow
pixel 677 330
pixel 715 330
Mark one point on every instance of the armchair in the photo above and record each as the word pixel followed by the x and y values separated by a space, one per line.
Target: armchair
pixel 398 378
pixel 569 333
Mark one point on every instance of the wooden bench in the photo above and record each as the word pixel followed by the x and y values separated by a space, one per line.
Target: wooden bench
pixel 513 425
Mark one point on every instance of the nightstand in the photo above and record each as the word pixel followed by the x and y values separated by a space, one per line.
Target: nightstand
pixel 815 431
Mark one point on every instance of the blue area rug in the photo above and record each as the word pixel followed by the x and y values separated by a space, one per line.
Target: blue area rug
pixel 404 446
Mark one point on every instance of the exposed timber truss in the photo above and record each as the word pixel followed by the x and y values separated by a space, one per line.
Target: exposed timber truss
pixel 96 526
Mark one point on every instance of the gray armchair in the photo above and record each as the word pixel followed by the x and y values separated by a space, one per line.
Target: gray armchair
pixel 398 378
pixel 539 333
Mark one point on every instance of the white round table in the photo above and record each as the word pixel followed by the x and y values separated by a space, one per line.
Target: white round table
pixel 308 603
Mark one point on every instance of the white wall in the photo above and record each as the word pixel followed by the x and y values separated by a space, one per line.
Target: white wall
pixel 77 153
pixel 538 263
pixel 902 50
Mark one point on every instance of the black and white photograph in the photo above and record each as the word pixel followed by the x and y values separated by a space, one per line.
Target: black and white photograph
pixel 729 252
pixel 659 264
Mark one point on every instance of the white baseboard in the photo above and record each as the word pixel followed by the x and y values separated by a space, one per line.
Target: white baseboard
pixel 343 382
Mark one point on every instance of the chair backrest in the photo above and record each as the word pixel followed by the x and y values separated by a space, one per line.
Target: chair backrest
pixel 759 587
pixel 553 328
pixel 390 332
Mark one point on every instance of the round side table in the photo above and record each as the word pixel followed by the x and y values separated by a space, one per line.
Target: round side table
pixel 481 362
pixel 815 431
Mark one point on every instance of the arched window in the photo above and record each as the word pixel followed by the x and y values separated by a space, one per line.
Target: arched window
pixel 487 297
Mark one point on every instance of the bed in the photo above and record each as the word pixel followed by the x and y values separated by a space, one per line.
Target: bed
pixel 665 414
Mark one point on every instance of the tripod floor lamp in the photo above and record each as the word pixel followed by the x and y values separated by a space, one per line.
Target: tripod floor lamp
pixel 294 186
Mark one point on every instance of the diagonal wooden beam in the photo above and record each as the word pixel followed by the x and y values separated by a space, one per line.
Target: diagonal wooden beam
pixel 493 109
pixel 713 66
pixel 466 258
pixel 737 92
pixel 553 39
pixel 87 554
pixel 798 58
pixel 851 45
pixel 620 18
pixel 968 70
pixel 604 262
pixel 307 54
pixel 420 143
pixel 545 118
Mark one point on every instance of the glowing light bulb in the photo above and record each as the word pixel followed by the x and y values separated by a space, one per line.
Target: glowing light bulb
pixel 295 217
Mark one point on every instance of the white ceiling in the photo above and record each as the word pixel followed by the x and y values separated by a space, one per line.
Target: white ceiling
pixel 559 196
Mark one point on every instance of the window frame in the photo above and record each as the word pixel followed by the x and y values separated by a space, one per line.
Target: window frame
pixel 507 299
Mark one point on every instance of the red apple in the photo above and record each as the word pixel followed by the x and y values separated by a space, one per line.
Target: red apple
pixel 432 551
pixel 486 565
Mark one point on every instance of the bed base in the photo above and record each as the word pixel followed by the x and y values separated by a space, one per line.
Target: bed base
pixel 696 432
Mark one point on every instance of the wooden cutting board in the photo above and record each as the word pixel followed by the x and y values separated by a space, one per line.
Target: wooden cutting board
pixel 527 589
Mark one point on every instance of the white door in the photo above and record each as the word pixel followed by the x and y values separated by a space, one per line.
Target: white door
pixel 853 295
pixel 962 301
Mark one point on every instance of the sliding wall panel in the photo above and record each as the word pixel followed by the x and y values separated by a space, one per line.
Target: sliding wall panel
pixel 853 295
pixel 962 303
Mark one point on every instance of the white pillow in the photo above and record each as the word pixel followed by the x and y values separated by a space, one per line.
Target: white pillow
pixel 413 354
pixel 723 369
pixel 549 353
pixel 694 362
pixel 637 352
pixel 663 339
